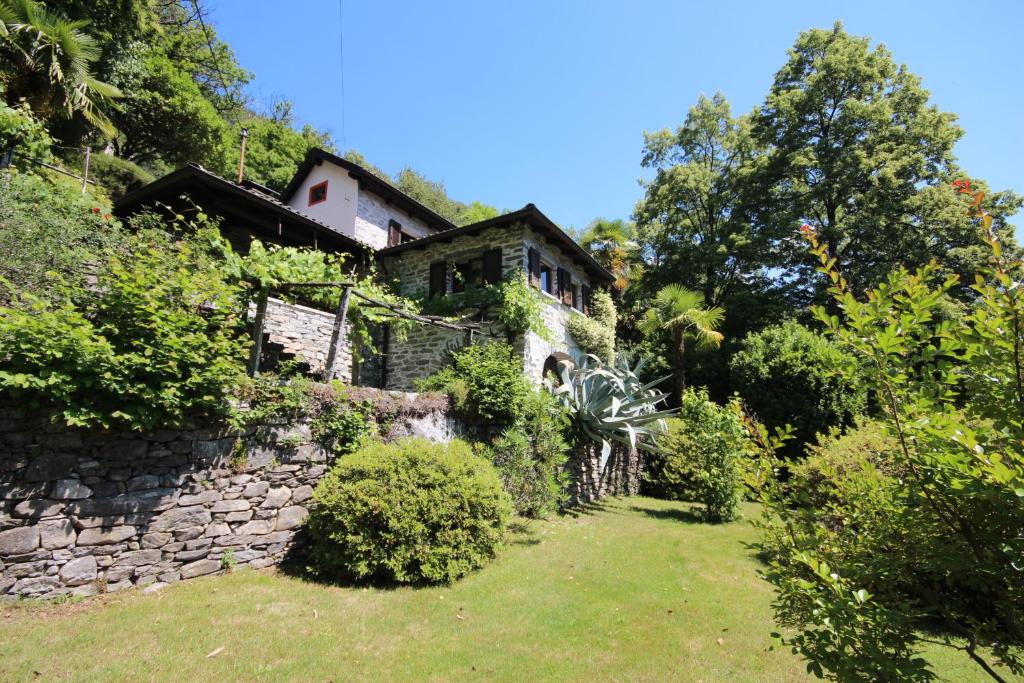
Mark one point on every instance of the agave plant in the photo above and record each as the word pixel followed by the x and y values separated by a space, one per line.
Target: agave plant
pixel 611 404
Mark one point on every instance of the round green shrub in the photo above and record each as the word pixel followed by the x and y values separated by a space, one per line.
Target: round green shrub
pixel 787 374
pixel 701 458
pixel 864 451
pixel 408 512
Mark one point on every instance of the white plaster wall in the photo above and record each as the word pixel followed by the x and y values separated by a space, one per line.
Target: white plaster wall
pixel 339 211
pixel 374 214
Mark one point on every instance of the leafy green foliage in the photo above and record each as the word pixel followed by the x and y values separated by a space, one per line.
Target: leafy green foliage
pixel 116 175
pixel 928 539
pixel 51 239
pixel 408 512
pixel 486 381
pixel 701 457
pixel 682 313
pixel 49 63
pixel 856 150
pixel 341 426
pixel 22 131
pixel 521 307
pixel 154 344
pixel 612 245
pixel 531 457
pixel 609 404
pixel 595 334
pixel 863 452
pixel 787 374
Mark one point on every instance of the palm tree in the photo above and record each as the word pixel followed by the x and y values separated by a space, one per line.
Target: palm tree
pixel 50 60
pixel 682 312
pixel 611 243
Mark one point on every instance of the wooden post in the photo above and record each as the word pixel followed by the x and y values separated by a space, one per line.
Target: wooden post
pixel 257 331
pixel 339 324
pixel 85 168
pixel 241 156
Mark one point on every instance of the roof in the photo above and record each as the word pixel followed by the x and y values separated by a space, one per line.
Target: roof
pixel 264 198
pixel 372 182
pixel 529 214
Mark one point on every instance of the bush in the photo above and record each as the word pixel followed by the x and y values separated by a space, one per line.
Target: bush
pixel 595 334
pixel 789 375
pixel 485 381
pixel 411 511
pixel 155 341
pixel 531 457
pixel 51 238
pixel 863 451
pixel 701 457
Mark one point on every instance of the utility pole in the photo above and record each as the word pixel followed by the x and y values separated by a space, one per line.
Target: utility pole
pixel 85 167
pixel 241 158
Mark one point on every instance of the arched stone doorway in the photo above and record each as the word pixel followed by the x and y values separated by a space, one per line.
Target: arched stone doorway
pixel 552 362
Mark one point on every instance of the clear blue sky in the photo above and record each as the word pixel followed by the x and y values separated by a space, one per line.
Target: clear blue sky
pixel 546 102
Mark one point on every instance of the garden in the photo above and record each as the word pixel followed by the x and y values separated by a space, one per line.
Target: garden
pixel 791 447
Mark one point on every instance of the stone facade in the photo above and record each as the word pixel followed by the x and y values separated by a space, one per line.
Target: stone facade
pixel 305 333
pixel 426 349
pixel 374 215
pixel 85 512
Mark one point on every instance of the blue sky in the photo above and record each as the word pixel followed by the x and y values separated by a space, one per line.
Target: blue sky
pixel 547 102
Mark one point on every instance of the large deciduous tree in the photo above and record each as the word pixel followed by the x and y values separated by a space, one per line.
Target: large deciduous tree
pixel 856 150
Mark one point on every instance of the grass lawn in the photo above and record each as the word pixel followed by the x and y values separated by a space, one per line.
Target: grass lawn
pixel 632 591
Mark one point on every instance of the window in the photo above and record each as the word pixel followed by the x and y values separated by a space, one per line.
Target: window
pixel 318 193
pixel 577 300
pixel 547 282
pixel 468 273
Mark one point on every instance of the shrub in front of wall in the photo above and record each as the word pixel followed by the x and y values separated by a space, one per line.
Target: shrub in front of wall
pixel 701 459
pixel 790 375
pixel 408 512
pixel 485 381
pixel 531 457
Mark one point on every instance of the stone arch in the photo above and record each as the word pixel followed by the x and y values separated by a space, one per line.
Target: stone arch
pixel 552 362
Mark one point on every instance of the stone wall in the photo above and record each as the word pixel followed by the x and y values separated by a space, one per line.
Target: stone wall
pixel 86 511
pixel 374 215
pixel 305 333
pixel 425 350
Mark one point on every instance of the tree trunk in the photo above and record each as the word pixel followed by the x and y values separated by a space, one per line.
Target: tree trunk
pixel 679 353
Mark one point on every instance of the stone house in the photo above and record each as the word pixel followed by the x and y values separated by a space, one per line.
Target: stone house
pixel 334 205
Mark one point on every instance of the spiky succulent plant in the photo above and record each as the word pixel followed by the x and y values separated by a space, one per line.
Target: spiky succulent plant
pixel 610 404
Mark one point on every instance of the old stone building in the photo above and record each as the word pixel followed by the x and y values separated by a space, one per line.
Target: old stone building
pixel 335 205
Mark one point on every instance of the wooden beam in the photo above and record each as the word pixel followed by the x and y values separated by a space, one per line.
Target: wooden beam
pixel 339 325
pixel 257 332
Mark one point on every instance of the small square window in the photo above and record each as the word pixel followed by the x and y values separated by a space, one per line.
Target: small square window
pixel 547 282
pixel 318 193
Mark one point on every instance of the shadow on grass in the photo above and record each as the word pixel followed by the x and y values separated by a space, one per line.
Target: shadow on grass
pixel 688 516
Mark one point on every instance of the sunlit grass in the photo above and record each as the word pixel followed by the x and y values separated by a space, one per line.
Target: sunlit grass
pixel 633 590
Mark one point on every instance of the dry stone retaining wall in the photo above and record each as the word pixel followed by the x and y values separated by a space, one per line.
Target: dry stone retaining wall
pixel 84 512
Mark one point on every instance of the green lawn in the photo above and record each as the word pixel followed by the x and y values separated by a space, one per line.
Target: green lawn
pixel 633 591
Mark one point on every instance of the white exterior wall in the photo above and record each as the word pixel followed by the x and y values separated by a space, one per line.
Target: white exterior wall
pixel 373 215
pixel 339 210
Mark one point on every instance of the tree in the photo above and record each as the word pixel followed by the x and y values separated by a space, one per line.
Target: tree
pixel 165 114
pixel 922 542
pixel 856 151
pixel 682 312
pixel 50 64
pixel 692 223
pixel 611 243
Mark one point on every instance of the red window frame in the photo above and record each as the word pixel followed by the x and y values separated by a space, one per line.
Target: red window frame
pixel 313 189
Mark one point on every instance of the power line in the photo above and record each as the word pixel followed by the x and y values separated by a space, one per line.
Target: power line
pixel 341 59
